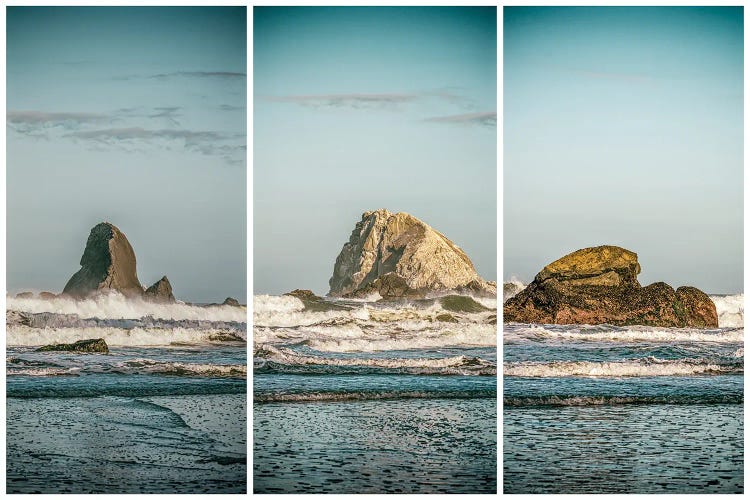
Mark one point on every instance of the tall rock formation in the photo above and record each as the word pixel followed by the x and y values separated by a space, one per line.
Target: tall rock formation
pixel 600 285
pixel 108 263
pixel 398 255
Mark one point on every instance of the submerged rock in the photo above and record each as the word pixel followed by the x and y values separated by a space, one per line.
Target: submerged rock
pixel 229 301
pixel 47 295
pixel 108 263
pixel 161 291
pixel 599 285
pixel 25 295
pixel 399 256
pixel 90 345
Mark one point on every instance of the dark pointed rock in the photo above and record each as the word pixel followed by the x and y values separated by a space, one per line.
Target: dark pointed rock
pixel 108 263
pixel 161 291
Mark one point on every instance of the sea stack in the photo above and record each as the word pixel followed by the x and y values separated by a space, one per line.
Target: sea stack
pixel 108 263
pixel 161 291
pixel 599 285
pixel 397 256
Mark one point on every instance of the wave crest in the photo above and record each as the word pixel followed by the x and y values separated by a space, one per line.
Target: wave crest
pixel 116 306
pixel 645 367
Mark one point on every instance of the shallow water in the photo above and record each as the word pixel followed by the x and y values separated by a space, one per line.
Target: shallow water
pixel 393 446
pixel 623 449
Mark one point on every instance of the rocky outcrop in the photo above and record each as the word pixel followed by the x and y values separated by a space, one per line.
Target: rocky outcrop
pixel 399 256
pixel 161 291
pixel 108 263
pixel 25 295
pixel 229 301
pixel 90 345
pixel 47 295
pixel 599 285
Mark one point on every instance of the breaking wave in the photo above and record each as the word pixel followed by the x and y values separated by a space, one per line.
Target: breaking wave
pixel 116 306
pixel 730 309
pixel 27 336
pixel 512 288
pixel 607 333
pixel 275 359
pixel 645 367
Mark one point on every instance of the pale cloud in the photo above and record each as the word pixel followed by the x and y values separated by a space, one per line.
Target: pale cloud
pixel 488 119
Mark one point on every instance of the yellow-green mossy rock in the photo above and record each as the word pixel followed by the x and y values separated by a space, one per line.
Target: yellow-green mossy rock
pixel 599 285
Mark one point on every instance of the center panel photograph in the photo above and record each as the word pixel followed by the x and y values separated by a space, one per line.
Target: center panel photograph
pixel 375 250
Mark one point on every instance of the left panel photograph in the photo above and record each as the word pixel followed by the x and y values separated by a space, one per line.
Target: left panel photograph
pixel 126 250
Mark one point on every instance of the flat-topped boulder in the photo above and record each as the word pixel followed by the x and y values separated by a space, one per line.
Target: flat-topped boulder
pixel 599 285
pixel 108 263
pixel 399 256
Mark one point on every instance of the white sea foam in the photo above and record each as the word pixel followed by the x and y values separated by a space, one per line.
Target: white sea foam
pixel 116 306
pixel 464 335
pixel 730 309
pixel 26 336
pixel 620 334
pixel 151 366
pixel 455 365
pixel 645 367
pixel 512 288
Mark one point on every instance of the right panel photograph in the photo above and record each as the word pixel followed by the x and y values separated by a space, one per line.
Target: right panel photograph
pixel 623 323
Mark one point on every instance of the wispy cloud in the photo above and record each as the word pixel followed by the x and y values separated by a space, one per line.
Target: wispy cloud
pixel 201 74
pixel 226 75
pixel 135 138
pixel 487 119
pixel 92 130
pixel 356 101
pixel 169 114
pixel 229 107
pixel 391 101
pixel 37 122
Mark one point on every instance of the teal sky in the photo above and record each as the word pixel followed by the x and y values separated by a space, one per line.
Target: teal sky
pixel 624 126
pixel 363 108
pixel 136 116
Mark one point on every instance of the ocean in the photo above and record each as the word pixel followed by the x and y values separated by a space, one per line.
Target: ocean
pixel 370 397
pixel 604 409
pixel 164 412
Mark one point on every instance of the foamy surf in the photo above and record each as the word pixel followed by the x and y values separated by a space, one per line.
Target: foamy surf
pixel 118 337
pixel 606 333
pixel 270 358
pixel 730 309
pixel 644 367
pixel 116 306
